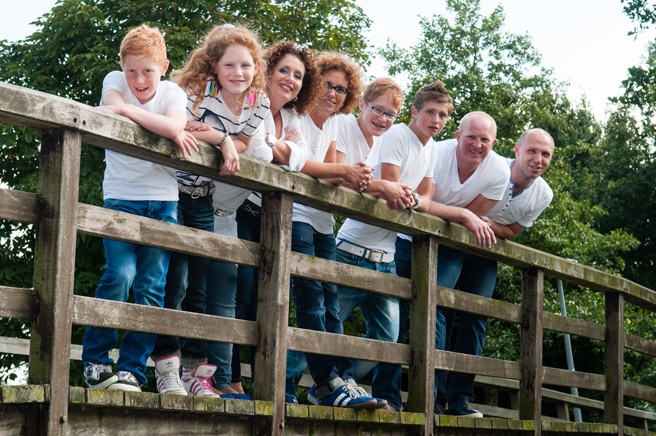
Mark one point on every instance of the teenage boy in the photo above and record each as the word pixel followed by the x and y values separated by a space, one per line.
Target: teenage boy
pixel 406 156
pixel 141 188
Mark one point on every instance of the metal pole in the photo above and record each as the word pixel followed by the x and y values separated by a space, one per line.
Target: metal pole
pixel 568 348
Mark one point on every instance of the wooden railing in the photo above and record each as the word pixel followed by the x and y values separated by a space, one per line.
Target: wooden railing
pixel 53 308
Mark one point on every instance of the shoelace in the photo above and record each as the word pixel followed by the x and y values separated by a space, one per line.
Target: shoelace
pixel 361 392
pixel 170 377
pixel 205 383
pixel 351 391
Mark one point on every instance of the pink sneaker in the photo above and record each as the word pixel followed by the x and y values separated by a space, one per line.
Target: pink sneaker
pixel 167 375
pixel 197 382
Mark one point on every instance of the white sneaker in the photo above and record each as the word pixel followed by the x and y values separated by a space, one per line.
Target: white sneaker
pixel 126 382
pixel 99 376
pixel 167 375
pixel 197 381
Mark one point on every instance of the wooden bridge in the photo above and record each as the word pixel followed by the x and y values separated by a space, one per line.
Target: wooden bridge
pixel 49 406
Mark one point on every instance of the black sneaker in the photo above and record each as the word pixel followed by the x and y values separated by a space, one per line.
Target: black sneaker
pixel 465 409
pixel 126 382
pixel 99 376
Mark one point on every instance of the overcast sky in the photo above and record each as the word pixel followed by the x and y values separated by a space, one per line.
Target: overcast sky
pixel 584 41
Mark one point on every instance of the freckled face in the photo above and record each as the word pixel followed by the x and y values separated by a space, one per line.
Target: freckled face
pixel 143 75
pixel 286 80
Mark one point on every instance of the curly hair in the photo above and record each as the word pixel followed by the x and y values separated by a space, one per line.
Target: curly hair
pixel 312 86
pixel 435 92
pixel 144 41
pixel 199 68
pixel 330 61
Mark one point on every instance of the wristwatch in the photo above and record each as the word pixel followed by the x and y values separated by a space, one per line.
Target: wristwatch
pixel 269 142
pixel 418 201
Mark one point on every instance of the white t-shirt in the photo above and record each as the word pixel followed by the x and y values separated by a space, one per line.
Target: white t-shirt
pixel 526 206
pixel 131 178
pixel 260 150
pixel 318 142
pixel 489 179
pixel 399 146
pixel 214 112
pixel 351 142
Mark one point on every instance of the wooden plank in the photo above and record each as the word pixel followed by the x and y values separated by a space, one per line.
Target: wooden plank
pixel 331 344
pixel 467 302
pixel 639 391
pixel 471 364
pixel 574 326
pixel 530 386
pixel 19 206
pixel 564 377
pixel 54 270
pixel 126 227
pixel 18 302
pixel 641 345
pixel 136 317
pixel 36 109
pixel 273 309
pixel 421 374
pixel 614 360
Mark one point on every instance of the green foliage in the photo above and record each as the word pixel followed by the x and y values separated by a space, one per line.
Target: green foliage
pixel 641 11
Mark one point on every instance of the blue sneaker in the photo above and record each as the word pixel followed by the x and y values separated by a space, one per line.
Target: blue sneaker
pixel 464 409
pixel 290 399
pixel 312 395
pixel 346 396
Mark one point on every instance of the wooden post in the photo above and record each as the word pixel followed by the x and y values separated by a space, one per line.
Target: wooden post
pixel 530 358
pixel 273 308
pixel 614 359
pixel 54 270
pixel 421 377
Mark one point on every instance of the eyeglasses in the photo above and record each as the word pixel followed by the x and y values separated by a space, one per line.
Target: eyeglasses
pixel 339 90
pixel 381 113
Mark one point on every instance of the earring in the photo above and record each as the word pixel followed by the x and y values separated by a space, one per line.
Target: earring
pixel 214 89
pixel 251 98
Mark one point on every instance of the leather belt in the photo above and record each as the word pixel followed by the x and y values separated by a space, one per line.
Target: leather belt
pixel 375 256
pixel 197 191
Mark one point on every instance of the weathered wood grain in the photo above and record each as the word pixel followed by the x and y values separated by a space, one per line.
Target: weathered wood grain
pixel 614 359
pixel 18 302
pixel 273 308
pixel 641 345
pixel 564 377
pixel 573 326
pixel 639 391
pixel 128 316
pixel 54 270
pixel 471 364
pixel 421 374
pixel 19 206
pixel 530 349
pixel 467 302
pixel 39 110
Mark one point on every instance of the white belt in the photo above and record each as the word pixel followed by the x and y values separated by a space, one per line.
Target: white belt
pixel 375 256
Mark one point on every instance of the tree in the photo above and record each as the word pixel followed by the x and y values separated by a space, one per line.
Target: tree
pixel 640 11
pixel 77 44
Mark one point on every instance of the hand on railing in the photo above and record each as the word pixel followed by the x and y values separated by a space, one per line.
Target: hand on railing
pixel 359 174
pixel 187 143
pixel 230 158
pixel 397 195
pixel 481 229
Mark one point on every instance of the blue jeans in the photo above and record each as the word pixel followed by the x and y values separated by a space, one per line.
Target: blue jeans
pixel 221 293
pixel 387 376
pixel 475 275
pixel 130 265
pixel 317 305
pixel 186 280
pixel 248 228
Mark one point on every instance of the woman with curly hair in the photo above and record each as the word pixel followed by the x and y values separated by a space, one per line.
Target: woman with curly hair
pixel 317 304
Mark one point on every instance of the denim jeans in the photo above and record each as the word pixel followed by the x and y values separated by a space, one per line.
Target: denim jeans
pixel 317 305
pixel 187 276
pixel 387 376
pixel 475 275
pixel 381 313
pixel 248 228
pixel 130 265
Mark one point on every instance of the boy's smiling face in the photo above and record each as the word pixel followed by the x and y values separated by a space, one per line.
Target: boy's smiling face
pixel 143 75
